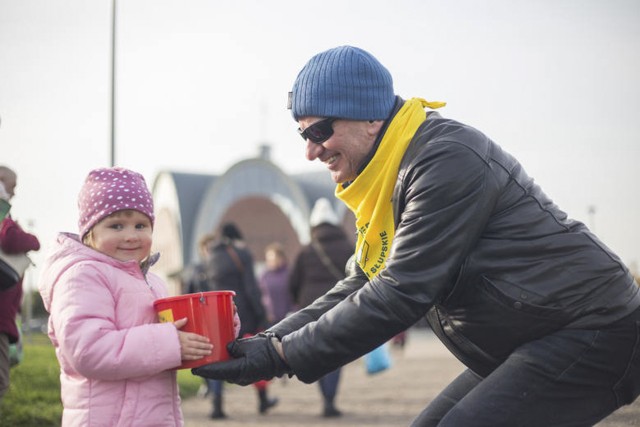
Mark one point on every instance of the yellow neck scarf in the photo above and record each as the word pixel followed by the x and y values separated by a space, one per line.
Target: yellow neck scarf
pixel 369 195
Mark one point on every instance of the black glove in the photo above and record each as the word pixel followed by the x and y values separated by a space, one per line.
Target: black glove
pixel 255 359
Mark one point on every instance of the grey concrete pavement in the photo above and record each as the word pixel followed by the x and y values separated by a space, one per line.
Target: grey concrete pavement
pixel 391 398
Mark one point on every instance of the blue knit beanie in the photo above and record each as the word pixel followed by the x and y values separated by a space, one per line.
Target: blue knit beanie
pixel 344 82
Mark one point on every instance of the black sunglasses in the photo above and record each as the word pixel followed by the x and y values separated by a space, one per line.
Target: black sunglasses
pixel 318 132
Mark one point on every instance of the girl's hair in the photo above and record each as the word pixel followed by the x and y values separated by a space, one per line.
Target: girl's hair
pixel 88 239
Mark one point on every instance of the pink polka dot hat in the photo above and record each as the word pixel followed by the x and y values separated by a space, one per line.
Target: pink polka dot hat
pixel 108 190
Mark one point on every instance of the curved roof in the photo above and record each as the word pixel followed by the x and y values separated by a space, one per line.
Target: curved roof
pixel 191 205
pixel 259 177
pixel 181 194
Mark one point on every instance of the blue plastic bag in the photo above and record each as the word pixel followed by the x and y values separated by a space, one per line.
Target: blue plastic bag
pixel 378 360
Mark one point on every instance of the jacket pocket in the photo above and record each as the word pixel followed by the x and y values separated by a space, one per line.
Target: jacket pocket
pixel 467 352
pixel 628 388
pixel 499 317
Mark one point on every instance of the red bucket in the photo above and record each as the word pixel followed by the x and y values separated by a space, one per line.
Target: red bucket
pixel 209 313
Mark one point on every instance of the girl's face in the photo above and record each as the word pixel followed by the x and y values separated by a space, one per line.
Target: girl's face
pixel 273 260
pixel 124 235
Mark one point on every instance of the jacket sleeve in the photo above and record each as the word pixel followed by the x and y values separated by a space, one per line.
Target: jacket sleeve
pixel 90 340
pixel 14 240
pixel 354 281
pixel 447 196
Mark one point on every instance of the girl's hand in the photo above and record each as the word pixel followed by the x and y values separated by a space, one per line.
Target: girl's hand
pixel 236 321
pixel 192 346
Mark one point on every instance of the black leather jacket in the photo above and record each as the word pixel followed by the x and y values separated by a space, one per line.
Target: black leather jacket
pixel 480 250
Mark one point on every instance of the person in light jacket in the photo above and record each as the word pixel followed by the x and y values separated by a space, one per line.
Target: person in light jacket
pixel 115 358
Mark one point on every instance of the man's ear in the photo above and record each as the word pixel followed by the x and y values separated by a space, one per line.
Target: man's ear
pixel 374 126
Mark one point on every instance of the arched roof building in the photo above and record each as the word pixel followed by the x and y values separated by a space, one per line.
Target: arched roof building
pixel 264 202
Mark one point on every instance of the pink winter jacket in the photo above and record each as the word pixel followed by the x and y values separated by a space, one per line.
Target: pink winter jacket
pixel 114 356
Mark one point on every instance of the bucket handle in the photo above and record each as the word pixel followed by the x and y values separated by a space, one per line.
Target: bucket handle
pixel 202 298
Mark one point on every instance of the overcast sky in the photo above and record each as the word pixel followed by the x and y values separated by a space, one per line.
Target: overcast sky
pixel 201 84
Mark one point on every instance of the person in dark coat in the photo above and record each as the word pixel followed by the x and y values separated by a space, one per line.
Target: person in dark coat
pixel 228 265
pixel 318 266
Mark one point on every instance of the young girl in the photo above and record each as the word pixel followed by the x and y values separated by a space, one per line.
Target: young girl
pixel 115 358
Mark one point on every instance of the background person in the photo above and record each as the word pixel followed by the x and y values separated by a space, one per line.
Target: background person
pixel 13 240
pixel 317 267
pixel 195 280
pixel 229 266
pixel 115 358
pixel 450 226
pixel 195 277
pixel 274 284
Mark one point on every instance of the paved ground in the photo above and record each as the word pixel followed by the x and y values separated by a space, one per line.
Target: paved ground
pixel 391 398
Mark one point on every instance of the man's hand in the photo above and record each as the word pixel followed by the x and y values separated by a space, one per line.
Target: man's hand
pixel 255 359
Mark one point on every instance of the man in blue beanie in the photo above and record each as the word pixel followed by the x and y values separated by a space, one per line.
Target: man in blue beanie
pixel 451 228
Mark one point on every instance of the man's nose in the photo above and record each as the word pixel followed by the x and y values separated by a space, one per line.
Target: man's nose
pixel 313 150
